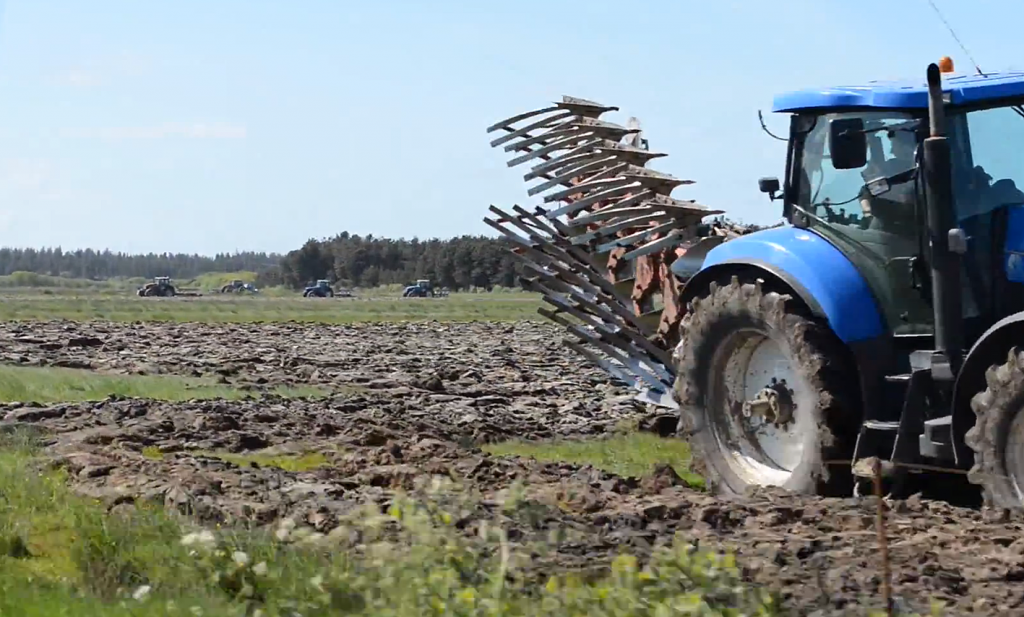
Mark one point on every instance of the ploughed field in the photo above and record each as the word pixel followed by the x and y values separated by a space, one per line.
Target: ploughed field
pixel 344 415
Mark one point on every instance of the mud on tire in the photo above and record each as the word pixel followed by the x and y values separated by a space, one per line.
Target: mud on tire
pixel 997 437
pixel 825 397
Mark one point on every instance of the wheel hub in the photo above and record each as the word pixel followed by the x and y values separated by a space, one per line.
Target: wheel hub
pixel 756 417
pixel 774 403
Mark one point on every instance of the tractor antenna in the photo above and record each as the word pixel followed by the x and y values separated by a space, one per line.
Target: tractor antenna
pixel 955 37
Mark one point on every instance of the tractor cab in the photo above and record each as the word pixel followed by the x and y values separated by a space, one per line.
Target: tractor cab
pixel 856 178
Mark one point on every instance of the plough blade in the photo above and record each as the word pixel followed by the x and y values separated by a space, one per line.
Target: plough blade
pixel 601 247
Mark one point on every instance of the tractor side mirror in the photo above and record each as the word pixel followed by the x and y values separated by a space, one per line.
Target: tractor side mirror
pixel 768 185
pixel 847 143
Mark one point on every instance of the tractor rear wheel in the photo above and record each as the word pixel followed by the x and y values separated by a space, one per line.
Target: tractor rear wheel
pixel 997 437
pixel 766 394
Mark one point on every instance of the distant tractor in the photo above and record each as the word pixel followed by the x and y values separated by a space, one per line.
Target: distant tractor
pixel 423 289
pixel 238 286
pixel 322 289
pixel 161 286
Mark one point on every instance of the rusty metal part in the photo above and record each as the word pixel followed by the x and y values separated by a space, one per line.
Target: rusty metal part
pixel 600 253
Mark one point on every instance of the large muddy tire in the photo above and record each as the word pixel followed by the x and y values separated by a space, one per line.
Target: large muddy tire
pixel 736 339
pixel 997 437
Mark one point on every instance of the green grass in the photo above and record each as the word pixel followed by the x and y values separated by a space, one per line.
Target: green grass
pixel 58 385
pixel 61 554
pixel 247 309
pixel 627 455
pixel 288 461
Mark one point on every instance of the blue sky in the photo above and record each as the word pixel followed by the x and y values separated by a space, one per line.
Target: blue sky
pixel 222 125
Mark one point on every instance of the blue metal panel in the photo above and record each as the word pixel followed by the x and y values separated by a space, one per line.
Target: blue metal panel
pixel 907 94
pixel 832 281
pixel 1013 250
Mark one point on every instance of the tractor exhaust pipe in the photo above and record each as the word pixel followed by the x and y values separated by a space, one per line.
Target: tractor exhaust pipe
pixel 942 227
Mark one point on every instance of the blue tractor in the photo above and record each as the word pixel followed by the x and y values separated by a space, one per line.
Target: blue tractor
pixel 322 289
pixel 880 326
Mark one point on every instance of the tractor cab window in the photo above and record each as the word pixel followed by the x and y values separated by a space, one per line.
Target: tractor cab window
pixel 870 213
pixel 880 195
pixel 990 174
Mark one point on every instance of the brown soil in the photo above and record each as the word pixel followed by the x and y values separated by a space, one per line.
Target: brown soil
pixel 420 399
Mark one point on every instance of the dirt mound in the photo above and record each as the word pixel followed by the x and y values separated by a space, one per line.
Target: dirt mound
pixel 415 400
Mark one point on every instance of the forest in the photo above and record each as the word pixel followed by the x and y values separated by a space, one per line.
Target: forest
pixel 346 259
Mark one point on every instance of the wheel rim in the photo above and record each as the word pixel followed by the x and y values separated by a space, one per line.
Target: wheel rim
pixel 758 407
pixel 1013 454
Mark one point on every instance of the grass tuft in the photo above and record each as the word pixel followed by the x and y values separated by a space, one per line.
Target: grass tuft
pixel 295 462
pixel 628 455
pixel 25 384
pixel 232 308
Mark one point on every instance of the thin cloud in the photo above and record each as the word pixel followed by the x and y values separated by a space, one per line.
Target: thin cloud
pixel 103 71
pixel 77 78
pixel 24 174
pixel 194 130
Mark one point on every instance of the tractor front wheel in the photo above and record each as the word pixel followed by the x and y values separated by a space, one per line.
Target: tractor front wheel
pixel 997 437
pixel 766 393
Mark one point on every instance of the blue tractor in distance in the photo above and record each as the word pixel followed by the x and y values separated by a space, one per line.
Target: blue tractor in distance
pixel 423 288
pixel 322 289
pixel 879 327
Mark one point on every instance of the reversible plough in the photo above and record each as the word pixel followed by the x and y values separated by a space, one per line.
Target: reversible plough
pixel 610 252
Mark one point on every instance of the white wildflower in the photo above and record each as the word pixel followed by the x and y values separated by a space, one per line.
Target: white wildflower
pixel 202 538
pixel 317 581
pixel 240 558
pixel 284 529
pixel 140 594
pixel 260 569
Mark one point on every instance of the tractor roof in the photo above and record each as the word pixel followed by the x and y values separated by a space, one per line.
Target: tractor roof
pixel 960 89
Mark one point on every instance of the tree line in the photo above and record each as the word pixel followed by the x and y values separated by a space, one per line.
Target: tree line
pixel 346 259
pixel 365 261
pixel 102 265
